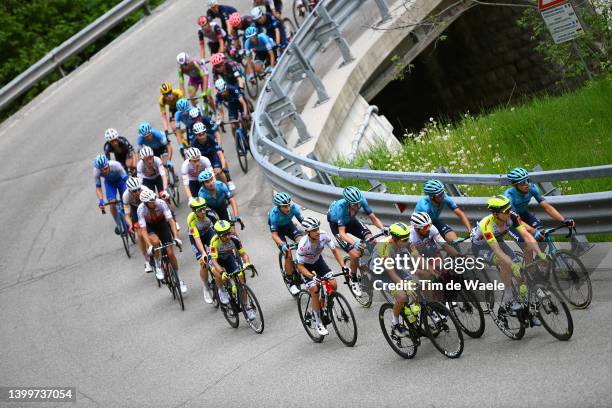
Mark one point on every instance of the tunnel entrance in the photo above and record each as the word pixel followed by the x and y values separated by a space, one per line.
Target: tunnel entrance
pixel 486 61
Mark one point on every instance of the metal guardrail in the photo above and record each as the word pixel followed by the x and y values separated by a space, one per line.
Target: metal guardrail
pixel 592 212
pixel 54 59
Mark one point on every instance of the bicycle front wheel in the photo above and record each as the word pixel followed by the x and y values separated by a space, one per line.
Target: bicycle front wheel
pixel 442 329
pixel 251 303
pixel 405 346
pixel 365 286
pixel 552 311
pixel 241 150
pixel 176 285
pixel 306 313
pixel 230 311
pixel 343 319
pixel 174 188
pixel 572 279
pixel 123 234
pixel 468 313
pixel 301 9
pixel 252 86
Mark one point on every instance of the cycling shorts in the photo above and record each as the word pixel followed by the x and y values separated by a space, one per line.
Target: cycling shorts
pixel 443 228
pixel 194 187
pixel 156 184
pixel 484 251
pixel 354 227
pixel 319 268
pixel 229 264
pixel 289 231
pixel 162 230
pixel 205 238
pixel 529 219
pixel 160 151
pixel 221 212
pixel 111 189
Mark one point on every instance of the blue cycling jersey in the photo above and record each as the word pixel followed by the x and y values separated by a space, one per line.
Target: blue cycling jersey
pixel 264 43
pixel 209 126
pixel 271 24
pixel 115 176
pixel 159 140
pixel 209 148
pixel 277 219
pixel 426 205
pixel 232 98
pixel 220 199
pixel 519 201
pixel 339 211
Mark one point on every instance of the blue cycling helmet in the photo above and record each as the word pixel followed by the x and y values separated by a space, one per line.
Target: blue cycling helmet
pixel 433 187
pixel 144 128
pixel 100 161
pixel 281 198
pixel 205 175
pixel 352 195
pixel 518 175
pixel 250 32
pixel 183 105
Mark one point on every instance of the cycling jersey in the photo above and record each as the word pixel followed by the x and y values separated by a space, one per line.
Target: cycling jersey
pixel 132 200
pixel 156 215
pixel 222 194
pixel 487 230
pixel 215 33
pixel 143 171
pixel 229 71
pixel 193 69
pixel 385 249
pixel 277 219
pixel 270 25
pixel 270 5
pixel 208 148
pixel 426 205
pixel 520 201
pixel 224 250
pixel 420 243
pixel 121 152
pixel 116 175
pixel 264 43
pixel 245 22
pixel 159 140
pixel 163 101
pixel 190 170
pixel 340 213
pixel 233 97
pixel 309 253
pixel 199 226
pixel 222 13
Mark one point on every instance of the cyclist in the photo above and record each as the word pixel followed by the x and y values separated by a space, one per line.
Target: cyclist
pixel 215 10
pixel 263 49
pixel 200 222
pixel 156 140
pixel 209 148
pixel 342 222
pixel 169 97
pixel 215 35
pixel 217 196
pixel 131 201
pixel 488 243
pixel 121 148
pixel 312 266
pixel 235 102
pixel 158 226
pixel 520 194
pixel 223 247
pixel 271 26
pixel 114 179
pixel 195 116
pixel 434 201
pixel 152 172
pixel 425 238
pixel 226 69
pixel 390 247
pixel 180 117
pixel 196 71
pixel 280 220
pixel 193 165
pixel 273 7
pixel 238 23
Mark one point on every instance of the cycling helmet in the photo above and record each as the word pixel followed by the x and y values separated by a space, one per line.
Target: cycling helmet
pixel 352 195
pixel 133 184
pixel 144 128
pixel 199 128
pixel 217 59
pixel 310 224
pixel 281 198
pixel 518 175
pixel 196 203
pixel 165 88
pixel 420 219
pixel 433 187
pixel 182 58
pixel 146 151
pixel 110 134
pixel 235 19
pixel 222 227
pixel 192 153
pixel 220 84
pixel 498 204
pixel 256 13
pixel 147 196
pixel 183 105
pixel 213 2
pixel 100 161
pixel 202 20
pixel 250 32
pixel 205 176
pixel 194 113
pixel 399 230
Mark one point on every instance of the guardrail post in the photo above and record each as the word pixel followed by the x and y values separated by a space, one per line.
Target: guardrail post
pixel 330 28
pixel 451 188
pixel 283 104
pixel 384 10
pixel 146 8
pixel 309 71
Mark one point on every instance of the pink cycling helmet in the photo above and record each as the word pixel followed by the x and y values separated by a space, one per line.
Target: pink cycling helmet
pixel 235 19
pixel 202 20
pixel 217 59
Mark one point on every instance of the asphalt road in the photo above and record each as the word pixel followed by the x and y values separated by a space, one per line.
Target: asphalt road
pixel 77 312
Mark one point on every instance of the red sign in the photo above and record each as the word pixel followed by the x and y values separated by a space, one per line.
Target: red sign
pixel 544 4
pixel 401 207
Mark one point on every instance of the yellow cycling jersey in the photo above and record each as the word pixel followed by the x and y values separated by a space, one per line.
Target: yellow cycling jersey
pixel 488 231
pixel 163 101
pixel 197 225
pixel 223 250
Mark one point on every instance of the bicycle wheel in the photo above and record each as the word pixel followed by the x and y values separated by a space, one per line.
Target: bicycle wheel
pixel 176 285
pixel 442 329
pixel 468 313
pixel 251 302
pixel 365 298
pixel 290 29
pixel 404 346
pixel 508 321
pixel 301 9
pixel 572 279
pixel 286 279
pixel 230 311
pixel 306 316
pixel 241 150
pixel 123 234
pixel 252 86
pixel 173 186
pixel 343 319
pixel 213 288
pixel 552 311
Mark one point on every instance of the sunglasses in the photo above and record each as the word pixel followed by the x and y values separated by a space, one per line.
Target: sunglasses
pixel 439 195
pixel 522 183
pixel 201 210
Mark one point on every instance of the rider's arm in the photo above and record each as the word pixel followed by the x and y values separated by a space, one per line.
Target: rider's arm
pixel 463 218
pixel 305 272
pixel 272 58
pixel 162 109
pixel 276 238
pixel 185 177
pixel 234 205
pixel 181 80
pixel 245 107
pixel 163 174
pixel 338 256
pixel 531 245
pixel 344 236
pixel 376 221
pixel 221 158
pixel 552 211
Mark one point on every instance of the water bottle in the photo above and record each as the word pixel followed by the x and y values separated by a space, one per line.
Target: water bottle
pixel 411 312
pixel 234 289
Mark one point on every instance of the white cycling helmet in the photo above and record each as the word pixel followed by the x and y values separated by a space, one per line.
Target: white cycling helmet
pixel 194 113
pixel 310 224
pixel 146 151
pixel 147 196
pixel 220 84
pixel 133 184
pixel 182 58
pixel 110 134
pixel 213 2
pixel 420 219
pixel 192 153
pixel 199 128
pixel 256 13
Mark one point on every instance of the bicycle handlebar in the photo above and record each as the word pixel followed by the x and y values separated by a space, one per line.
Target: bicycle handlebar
pixel 548 231
pixel 160 247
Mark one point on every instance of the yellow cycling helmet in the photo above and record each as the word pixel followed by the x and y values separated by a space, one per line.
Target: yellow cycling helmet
pixel 222 227
pixel 498 204
pixel 196 203
pixel 165 88
pixel 400 230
